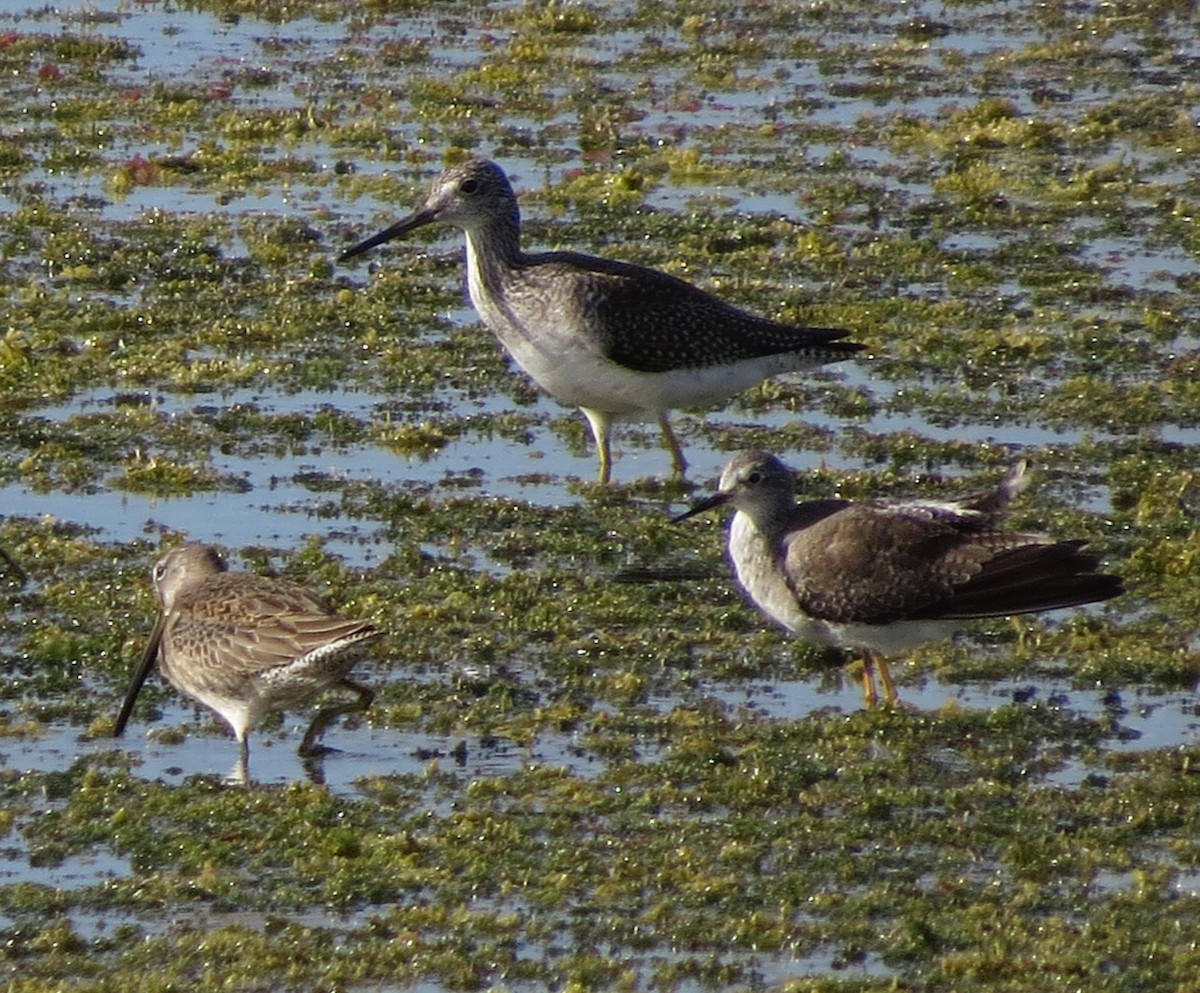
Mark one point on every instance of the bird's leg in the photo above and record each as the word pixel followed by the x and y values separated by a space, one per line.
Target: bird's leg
pixel 601 425
pixel 870 693
pixel 885 676
pixel 677 460
pixel 604 451
pixel 240 776
pixel 309 746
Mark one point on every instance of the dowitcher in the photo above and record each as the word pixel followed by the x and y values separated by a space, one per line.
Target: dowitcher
pixel 245 646
pixel 883 577
pixel 616 340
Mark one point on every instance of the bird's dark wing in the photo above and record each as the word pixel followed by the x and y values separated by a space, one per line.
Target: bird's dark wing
pixel 875 564
pixel 1041 575
pixel 652 321
pixel 868 565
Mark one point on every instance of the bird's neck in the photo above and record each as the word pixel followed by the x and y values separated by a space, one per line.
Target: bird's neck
pixel 492 253
pixel 771 519
pixel 497 241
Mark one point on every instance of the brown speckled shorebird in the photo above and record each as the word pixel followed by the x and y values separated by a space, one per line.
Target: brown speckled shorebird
pixel 616 340
pixel 883 577
pixel 244 646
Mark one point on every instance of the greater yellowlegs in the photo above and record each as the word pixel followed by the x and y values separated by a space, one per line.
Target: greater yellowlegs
pixel 616 340
pixel 883 577
pixel 245 646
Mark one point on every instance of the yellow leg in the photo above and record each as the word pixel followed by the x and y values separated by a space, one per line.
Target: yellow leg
pixel 885 676
pixel 605 455
pixel 672 443
pixel 870 694
pixel 601 425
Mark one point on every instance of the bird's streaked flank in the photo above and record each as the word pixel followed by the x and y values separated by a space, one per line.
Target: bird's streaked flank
pixel 245 646
pixel 616 340
pixel 882 577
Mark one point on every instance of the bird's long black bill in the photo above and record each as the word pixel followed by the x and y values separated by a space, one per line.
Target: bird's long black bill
pixel 139 677
pixel 716 500
pixel 397 230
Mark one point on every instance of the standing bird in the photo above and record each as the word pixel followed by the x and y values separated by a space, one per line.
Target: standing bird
pixel 616 340
pixel 883 577
pixel 244 646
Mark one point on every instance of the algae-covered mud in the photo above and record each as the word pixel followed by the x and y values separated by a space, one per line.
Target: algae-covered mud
pixel 590 764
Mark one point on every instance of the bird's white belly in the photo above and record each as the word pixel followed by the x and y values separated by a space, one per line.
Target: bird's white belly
pixel 893 638
pixel 574 373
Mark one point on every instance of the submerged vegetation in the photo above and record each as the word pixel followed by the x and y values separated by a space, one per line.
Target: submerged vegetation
pixel 607 772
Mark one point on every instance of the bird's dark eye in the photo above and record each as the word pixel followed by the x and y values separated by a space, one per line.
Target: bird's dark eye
pixel 160 570
pixel 468 186
pixel 754 478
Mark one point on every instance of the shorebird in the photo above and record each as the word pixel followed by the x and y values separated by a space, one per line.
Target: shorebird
pixel 882 577
pixel 245 646
pixel 616 340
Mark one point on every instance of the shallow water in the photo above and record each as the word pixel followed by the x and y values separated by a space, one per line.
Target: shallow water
pixel 866 186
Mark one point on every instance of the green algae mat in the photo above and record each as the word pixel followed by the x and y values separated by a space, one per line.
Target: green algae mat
pixel 590 764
